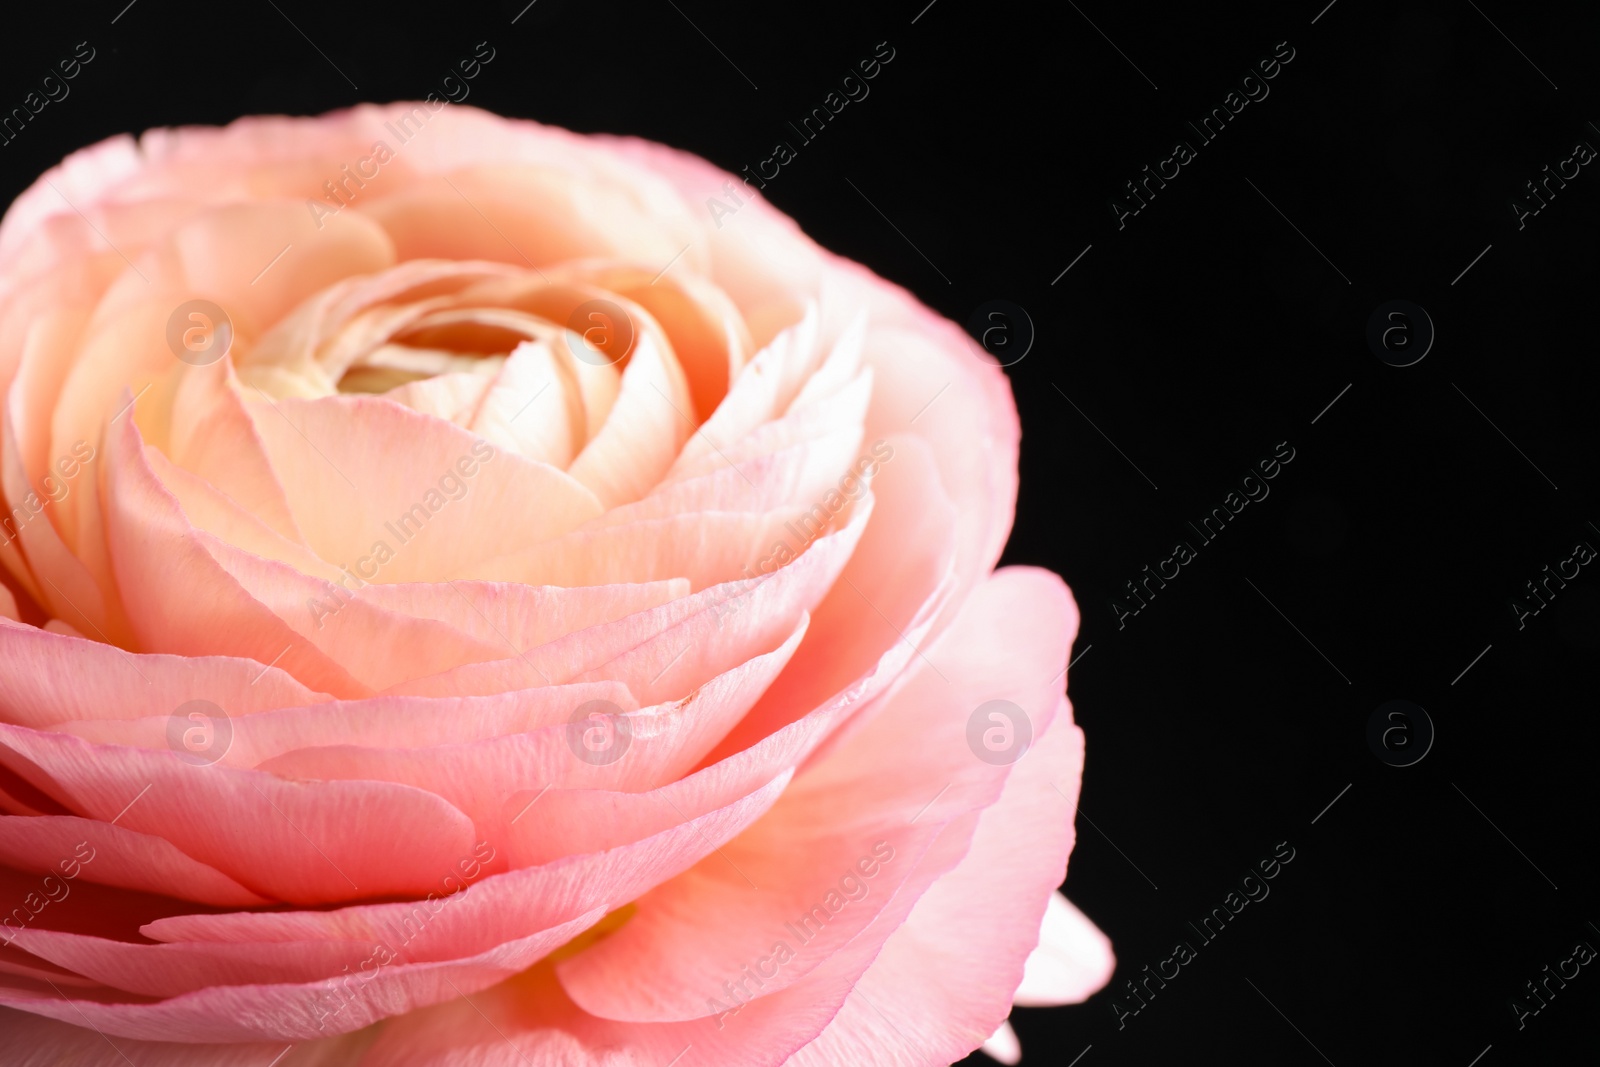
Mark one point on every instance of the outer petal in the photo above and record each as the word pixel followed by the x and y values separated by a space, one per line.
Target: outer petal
pixel 1072 961
pixel 308 842
pixel 36 1041
pixel 123 858
pixel 1003 1046
pixel 892 787
pixel 52 679
pixel 942 983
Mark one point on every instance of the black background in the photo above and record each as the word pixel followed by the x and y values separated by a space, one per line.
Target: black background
pixel 1219 321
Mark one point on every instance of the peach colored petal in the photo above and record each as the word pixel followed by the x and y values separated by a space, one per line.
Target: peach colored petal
pixel 215 256
pixel 759 257
pixel 707 548
pixel 667 651
pixel 794 475
pixel 528 410
pixel 36 553
pixel 760 393
pixel 307 353
pixel 159 559
pixel 208 509
pixel 524 214
pixel 223 254
pixel 379 648
pixel 644 429
pixel 838 422
pixel 523 617
pixel 363 470
pixel 211 434
pixel 705 328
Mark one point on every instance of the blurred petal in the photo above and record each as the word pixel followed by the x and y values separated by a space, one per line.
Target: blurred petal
pixel 1003 1046
pixel 1073 960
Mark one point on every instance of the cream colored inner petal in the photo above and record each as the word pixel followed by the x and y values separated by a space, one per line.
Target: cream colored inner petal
pixel 497 352
pixel 391 366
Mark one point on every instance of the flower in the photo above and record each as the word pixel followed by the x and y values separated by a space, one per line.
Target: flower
pixel 465 606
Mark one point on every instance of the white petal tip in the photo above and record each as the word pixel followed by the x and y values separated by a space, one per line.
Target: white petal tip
pixel 1003 1045
pixel 1073 960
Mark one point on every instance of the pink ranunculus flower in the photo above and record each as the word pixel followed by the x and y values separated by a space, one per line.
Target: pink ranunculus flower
pixel 467 603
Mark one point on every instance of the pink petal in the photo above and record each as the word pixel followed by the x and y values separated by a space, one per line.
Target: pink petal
pixel 309 842
pixel 495 780
pixel 548 1030
pixel 126 859
pixel 500 908
pixel 940 987
pixel 39 1041
pixel 879 613
pixel 971 427
pixel 51 680
pixel 892 786
pixel 665 652
pixel 399 721
pixel 300 1011
pixel 761 391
